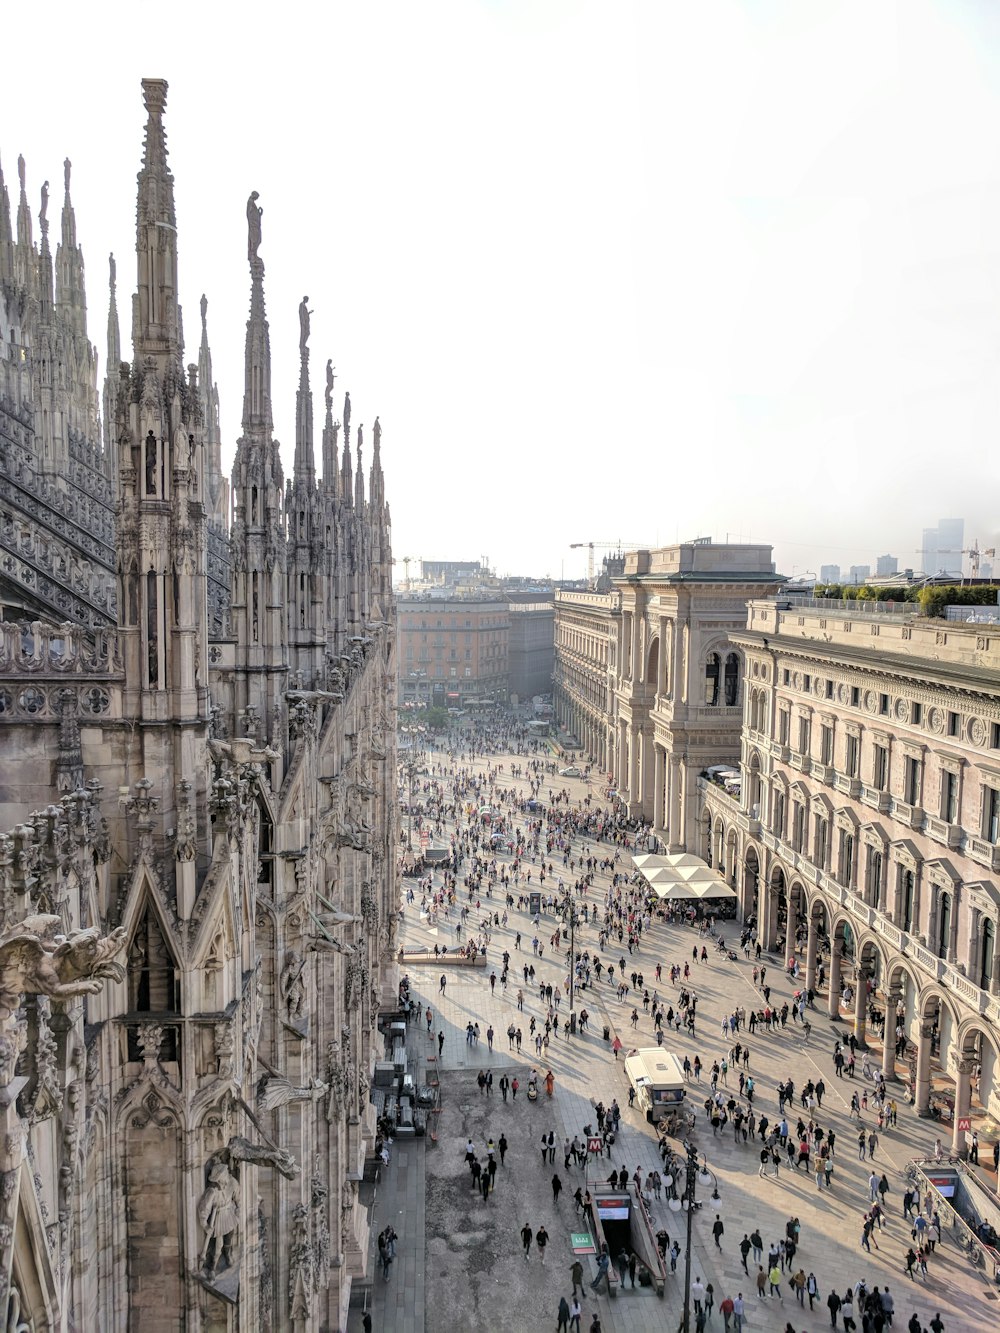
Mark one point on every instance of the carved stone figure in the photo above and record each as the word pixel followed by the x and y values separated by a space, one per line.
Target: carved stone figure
pixel 330 377
pixel 300 1286
pixel 254 215
pixel 219 1216
pixel 37 959
pixel 293 991
pixel 304 313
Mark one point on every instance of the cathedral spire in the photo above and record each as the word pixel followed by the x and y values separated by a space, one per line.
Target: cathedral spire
pixel 114 333
pixel 45 280
pixel 69 265
pixel 6 234
pixel 216 484
pixel 156 330
pixel 305 467
pixel 359 482
pixel 112 374
pixel 257 385
pixel 24 236
pixel 376 481
pixel 330 429
pixel 346 476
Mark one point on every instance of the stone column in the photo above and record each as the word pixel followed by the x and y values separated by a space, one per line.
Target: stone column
pixel 892 998
pixel 812 948
pixel 636 664
pixel 658 767
pixel 674 831
pixel 963 1103
pixel 860 1005
pixel 768 931
pixel 661 660
pixel 922 1091
pixel 633 770
pixel 836 963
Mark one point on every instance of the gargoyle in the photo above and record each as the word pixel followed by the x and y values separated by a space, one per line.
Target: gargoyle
pixel 239 1149
pixel 36 958
pixel 275 1090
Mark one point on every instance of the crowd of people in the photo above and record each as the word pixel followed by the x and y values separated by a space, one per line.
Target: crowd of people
pixel 521 842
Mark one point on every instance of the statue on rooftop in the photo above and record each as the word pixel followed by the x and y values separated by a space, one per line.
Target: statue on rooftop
pixel 254 215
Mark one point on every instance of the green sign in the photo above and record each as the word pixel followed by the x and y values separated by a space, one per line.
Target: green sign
pixel 582 1242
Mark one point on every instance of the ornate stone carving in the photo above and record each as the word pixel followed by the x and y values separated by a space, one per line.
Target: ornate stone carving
pixel 293 991
pixel 300 1284
pixel 219 1216
pixel 37 959
pixel 275 1090
pixel 320 1234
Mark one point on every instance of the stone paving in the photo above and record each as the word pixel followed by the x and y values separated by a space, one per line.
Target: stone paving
pixel 478 1264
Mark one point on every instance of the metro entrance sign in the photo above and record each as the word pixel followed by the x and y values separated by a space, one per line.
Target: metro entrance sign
pixel 582 1242
pixel 595 1146
pixel 964 1123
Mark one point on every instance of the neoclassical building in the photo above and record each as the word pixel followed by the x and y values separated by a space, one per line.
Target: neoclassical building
pixel 197 897
pixel 867 827
pixel 586 648
pixel 678 674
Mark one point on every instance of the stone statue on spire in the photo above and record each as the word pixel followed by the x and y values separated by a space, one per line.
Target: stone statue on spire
pixel 67 166
pixel 377 433
pixel 304 313
pixel 254 215
pixel 204 312
pixel 112 273
pixel 330 377
pixel 43 216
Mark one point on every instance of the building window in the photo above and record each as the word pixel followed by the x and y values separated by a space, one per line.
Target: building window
pixel 732 683
pixel 778 814
pixel 949 797
pixel 988 935
pixel 468 672
pixel 846 858
pixel 911 781
pixel 873 877
pixel 944 924
pixel 991 814
pixel 995 735
pixel 855 696
pixel 712 680
pixel 783 726
pixel 799 826
pixel 880 768
pixel 918 713
pixel 804 735
pixel 906 891
pixel 826 743
pixel 953 722
pixel 851 756
pixel 821 841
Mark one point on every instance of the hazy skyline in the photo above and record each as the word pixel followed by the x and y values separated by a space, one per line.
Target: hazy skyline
pixel 637 271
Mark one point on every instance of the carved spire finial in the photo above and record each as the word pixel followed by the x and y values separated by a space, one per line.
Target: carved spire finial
pixel 43 214
pixel 67 168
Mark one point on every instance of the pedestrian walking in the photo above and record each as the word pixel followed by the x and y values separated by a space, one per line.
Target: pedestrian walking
pixel 526 1235
pixel 541 1240
pixel 718 1231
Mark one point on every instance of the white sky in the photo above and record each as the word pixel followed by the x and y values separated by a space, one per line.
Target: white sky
pixel 603 270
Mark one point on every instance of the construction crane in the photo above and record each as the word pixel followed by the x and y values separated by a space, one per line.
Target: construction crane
pixel 604 546
pixel 406 561
pixel 973 552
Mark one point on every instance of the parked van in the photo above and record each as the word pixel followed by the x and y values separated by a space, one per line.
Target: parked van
pixel 658 1078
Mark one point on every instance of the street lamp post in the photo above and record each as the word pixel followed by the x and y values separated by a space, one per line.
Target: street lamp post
pixel 704 1175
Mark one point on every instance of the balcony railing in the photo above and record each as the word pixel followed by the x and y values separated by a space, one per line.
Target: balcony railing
pixel 878 800
pixel 910 815
pixel 983 852
pixel 848 785
pixel 941 831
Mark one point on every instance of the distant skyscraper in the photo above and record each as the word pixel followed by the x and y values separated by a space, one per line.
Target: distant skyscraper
pixel 941 547
pixel 885 565
pixel 859 573
pixel 829 573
